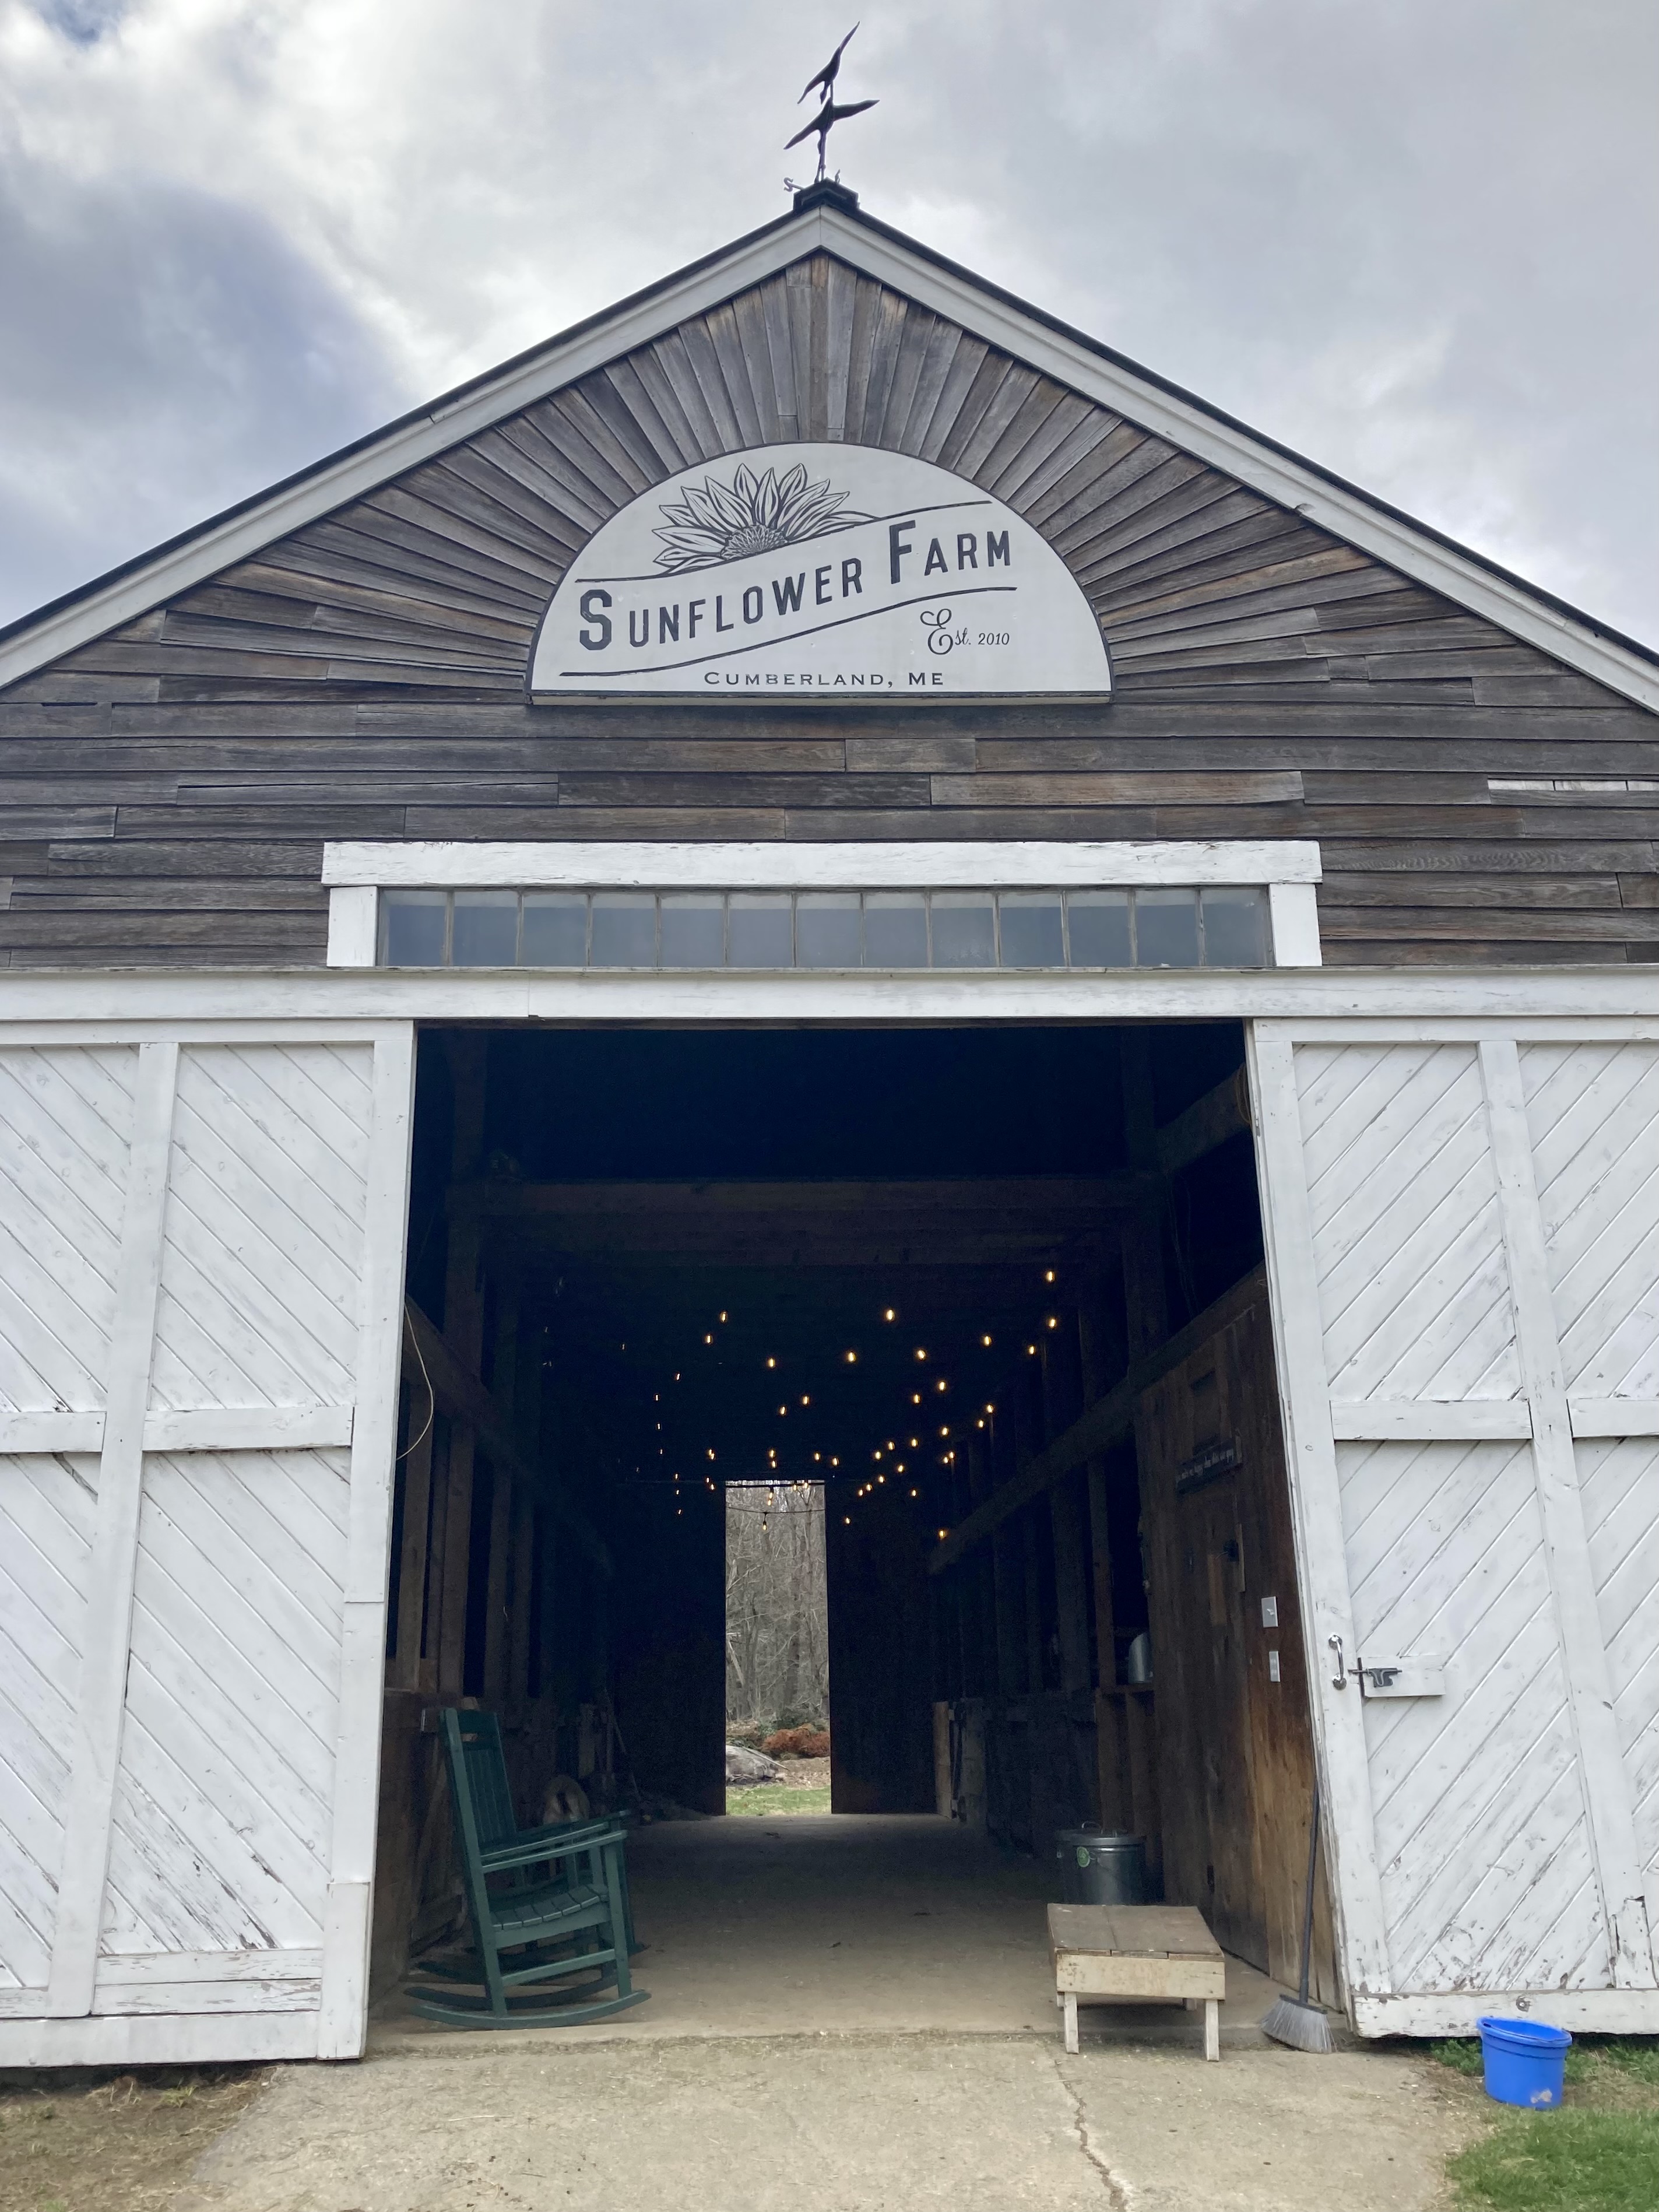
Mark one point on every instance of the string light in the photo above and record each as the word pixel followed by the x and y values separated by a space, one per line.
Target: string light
pixel 851 1356
pixel 1054 1321
pixel 986 1341
pixel 770 1361
pixel 1049 1277
pixel 941 1384
pixel 921 1353
pixel 722 1317
pixel 889 1315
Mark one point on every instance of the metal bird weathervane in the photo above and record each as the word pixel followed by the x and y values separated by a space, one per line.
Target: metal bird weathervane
pixel 830 114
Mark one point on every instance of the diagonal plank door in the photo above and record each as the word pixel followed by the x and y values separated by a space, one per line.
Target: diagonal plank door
pixel 197 1387
pixel 1465 1266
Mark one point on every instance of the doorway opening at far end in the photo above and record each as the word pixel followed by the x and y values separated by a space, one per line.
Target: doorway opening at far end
pixel 777 1637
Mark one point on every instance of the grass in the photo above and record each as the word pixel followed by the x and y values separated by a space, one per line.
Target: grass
pixel 777 1797
pixel 1599 2154
pixel 1564 2161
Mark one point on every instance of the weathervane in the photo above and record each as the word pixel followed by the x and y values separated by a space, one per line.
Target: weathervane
pixel 828 115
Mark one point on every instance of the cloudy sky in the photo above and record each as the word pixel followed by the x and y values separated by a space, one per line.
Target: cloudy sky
pixel 1415 240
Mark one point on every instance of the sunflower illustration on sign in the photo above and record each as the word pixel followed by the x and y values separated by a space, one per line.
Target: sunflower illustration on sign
pixel 716 522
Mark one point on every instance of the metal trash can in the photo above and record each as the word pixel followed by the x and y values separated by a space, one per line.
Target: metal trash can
pixel 1099 1867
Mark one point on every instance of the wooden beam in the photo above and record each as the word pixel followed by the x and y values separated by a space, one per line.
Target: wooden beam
pixel 1099 1425
pixel 466 1399
pixel 1209 1121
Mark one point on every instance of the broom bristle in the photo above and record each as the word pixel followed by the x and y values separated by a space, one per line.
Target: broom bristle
pixel 1302 2027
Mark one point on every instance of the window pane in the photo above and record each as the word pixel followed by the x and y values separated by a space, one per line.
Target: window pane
pixel 1235 929
pixel 412 924
pixel 758 930
pixel 827 929
pixel 1031 933
pixel 1100 929
pixel 694 931
pixel 1166 929
pixel 624 929
pixel 895 929
pixel 964 930
pixel 554 929
pixel 486 931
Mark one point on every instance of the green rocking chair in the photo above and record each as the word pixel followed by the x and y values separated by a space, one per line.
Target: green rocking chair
pixel 547 1906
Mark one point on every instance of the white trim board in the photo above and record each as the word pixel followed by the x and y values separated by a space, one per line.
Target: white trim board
pixel 1294 485
pixel 1553 1004
pixel 900 864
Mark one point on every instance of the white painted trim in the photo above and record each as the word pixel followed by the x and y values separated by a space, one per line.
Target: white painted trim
pixel 1591 2012
pixel 52 1432
pixel 899 866
pixel 1612 1004
pixel 1609 1811
pixel 248 1428
pixel 1322 1564
pixel 143 1970
pixel 1293 907
pixel 217 1428
pixel 1348 513
pixel 95 1745
pixel 343 2021
pixel 353 917
pixel 159 2039
pixel 1614 1417
pixel 1384 1420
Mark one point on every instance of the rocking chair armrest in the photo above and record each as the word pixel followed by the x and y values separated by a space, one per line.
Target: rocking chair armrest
pixel 529 1851
pixel 601 1825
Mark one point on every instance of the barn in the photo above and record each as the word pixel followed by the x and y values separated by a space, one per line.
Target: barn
pixel 823 880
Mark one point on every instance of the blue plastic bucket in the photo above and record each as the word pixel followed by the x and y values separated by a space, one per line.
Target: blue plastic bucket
pixel 1525 2060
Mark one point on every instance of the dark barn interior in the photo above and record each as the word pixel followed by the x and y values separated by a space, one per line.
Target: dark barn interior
pixel 999 1290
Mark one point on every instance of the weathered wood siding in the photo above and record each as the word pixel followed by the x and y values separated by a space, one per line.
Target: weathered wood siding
pixel 164 793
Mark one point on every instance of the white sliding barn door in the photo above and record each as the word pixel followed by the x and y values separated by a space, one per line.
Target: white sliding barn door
pixel 1464 1244
pixel 201 1268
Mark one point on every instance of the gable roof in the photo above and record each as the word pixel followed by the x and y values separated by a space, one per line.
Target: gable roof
pixel 822 224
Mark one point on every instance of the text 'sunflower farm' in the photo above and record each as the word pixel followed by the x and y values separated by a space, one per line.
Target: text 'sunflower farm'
pixel 818 568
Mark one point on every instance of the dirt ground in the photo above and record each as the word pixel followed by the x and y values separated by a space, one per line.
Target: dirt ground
pixel 78 2140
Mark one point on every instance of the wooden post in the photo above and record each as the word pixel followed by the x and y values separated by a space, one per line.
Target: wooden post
pixel 1144 1291
pixel 504 1386
pixel 404 1671
pixel 1100 1361
pixel 1062 1400
pixel 527 1423
pixel 463 1324
pixel 1007 1578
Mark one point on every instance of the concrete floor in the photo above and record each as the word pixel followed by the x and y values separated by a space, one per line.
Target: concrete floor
pixel 850 1925
pixel 846 2016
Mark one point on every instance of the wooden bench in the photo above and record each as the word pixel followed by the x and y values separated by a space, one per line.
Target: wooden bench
pixel 1163 1954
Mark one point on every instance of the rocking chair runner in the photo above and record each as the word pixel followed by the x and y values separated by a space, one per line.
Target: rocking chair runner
pixel 558 1911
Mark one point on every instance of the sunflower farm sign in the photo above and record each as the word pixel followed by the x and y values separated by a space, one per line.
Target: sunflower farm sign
pixel 834 571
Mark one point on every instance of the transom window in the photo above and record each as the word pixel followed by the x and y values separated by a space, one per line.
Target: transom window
pixel 1151 926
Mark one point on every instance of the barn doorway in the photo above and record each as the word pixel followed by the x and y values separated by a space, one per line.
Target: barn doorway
pixel 992 1298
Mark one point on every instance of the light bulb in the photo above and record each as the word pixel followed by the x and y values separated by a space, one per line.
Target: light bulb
pixel 985 1340
pixel 851 1356
pixel 920 1354
pixel 708 1339
pixel 889 1315
pixel 1049 1277
pixel 770 1361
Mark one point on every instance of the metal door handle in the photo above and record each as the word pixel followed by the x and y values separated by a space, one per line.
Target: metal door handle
pixel 1340 1679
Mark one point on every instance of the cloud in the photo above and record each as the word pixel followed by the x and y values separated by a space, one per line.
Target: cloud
pixel 1405 240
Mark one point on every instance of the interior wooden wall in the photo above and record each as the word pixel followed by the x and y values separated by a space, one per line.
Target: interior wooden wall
pixel 1235 1748
pixel 164 791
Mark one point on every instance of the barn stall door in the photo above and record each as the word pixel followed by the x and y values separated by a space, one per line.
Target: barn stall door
pixel 1464 1253
pixel 200 1276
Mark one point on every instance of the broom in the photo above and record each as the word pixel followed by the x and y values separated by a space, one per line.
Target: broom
pixel 1293 2020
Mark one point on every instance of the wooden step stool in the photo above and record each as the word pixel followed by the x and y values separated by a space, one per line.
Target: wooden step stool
pixel 1160 1953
